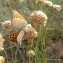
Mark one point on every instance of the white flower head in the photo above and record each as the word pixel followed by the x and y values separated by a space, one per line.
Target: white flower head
pixel 57 7
pixel 2 59
pixel 7 24
pixel 22 0
pixel 48 3
pixel 28 25
pixel 31 53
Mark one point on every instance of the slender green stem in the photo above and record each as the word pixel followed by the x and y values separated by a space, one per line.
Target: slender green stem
pixel 6 56
pixel 44 45
pixel 29 60
pixel 12 53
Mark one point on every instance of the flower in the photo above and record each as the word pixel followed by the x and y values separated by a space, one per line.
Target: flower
pixel 2 59
pixel 31 53
pixel 40 1
pixel 22 0
pixel 29 32
pixel 57 7
pixel 48 3
pixel 1 42
pixel 38 17
pixel 7 24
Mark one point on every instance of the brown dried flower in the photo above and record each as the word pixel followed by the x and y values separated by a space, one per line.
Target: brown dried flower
pixel 7 24
pixel 29 32
pixel 38 17
pixel 57 7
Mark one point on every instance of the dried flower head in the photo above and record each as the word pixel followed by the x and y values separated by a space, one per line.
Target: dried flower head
pixel 7 24
pixel 2 59
pixel 38 17
pixel 31 53
pixel 40 1
pixel 57 7
pixel 29 32
pixel 48 3
pixel 1 42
